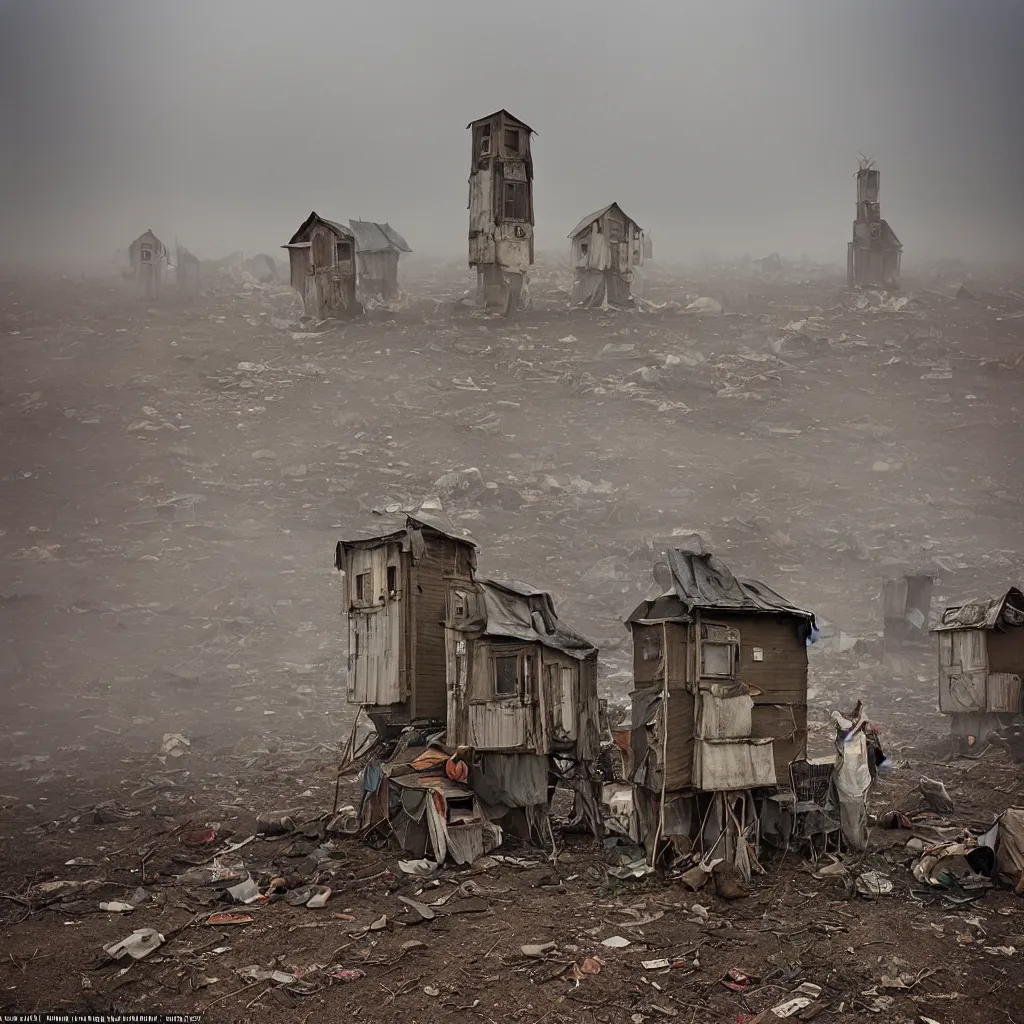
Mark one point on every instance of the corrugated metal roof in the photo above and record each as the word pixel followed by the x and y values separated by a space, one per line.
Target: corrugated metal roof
pixel 703 582
pixel 984 614
pixel 372 237
pixel 596 215
pixel 519 612
pixel 511 117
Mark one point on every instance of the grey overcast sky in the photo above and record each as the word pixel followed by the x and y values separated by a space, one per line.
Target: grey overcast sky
pixel 732 125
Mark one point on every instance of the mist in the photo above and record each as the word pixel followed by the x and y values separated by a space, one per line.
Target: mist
pixel 733 126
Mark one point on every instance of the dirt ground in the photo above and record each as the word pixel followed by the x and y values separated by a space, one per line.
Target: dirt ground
pixel 174 477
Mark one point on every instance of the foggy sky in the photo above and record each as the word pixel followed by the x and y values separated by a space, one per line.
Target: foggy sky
pixel 732 125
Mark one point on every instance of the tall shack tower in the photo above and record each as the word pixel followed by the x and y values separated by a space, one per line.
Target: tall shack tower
pixel 873 257
pixel 501 210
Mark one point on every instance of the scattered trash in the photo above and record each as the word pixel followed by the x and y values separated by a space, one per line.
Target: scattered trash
pixel 538 950
pixel 422 909
pixel 737 980
pixel 347 975
pixel 655 965
pixel 937 796
pixel 117 908
pixel 174 745
pixel 227 918
pixel 199 837
pixel 616 942
pixel 873 883
pixel 275 823
pixel 138 945
pixel 591 965
pixel 417 867
pixel 431 991
pixel 246 891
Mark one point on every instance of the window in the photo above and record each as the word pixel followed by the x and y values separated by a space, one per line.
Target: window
pixel 485 140
pixel 147 254
pixel 517 201
pixel 506 675
pixel 512 140
pixel 614 230
pixel 363 586
pixel 651 649
pixel 717 660
pixel 392 580
pixel 343 252
pixel 584 250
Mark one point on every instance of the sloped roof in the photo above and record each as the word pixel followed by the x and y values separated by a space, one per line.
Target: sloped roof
pixel 371 237
pixel 302 235
pixel 701 582
pixel 1005 610
pixel 515 611
pixel 392 526
pixel 504 112
pixel 596 215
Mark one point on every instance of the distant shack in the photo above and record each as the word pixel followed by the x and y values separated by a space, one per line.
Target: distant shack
pixel 323 267
pixel 608 249
pixel 378 247
pixel 147 257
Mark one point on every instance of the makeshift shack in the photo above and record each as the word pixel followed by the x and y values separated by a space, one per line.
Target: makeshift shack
pixel 519 679
pixel 430 814
pixel 395 595
pixel 981 664
pixel 608 249
pixel 719 702
pixel 378 247
pixel 501 210
pixel 873 256
pixel 147 257
pixel 187 274
pixel 522 692
pixel 323 267
pixel 906 607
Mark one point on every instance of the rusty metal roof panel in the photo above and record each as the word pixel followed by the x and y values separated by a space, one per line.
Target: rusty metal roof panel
pixel 989 613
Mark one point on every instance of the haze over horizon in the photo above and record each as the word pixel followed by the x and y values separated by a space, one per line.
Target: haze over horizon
pixel 732 126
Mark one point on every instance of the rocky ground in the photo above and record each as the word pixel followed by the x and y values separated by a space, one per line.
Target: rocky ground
pixel 172 483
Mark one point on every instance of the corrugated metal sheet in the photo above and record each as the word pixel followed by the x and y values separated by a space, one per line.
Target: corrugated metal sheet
pixel 499 726
pixel 984 614
pixel 733 764
pixel 373 237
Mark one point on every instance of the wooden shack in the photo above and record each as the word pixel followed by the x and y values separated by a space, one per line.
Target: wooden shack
pixel 719 693
pixel 608 249
pixel 323 267
pixel 501 216
pixel 873 256
pixel 981 664
pixel 186 273
pixel 378 247
pixel 147 257
pixel 906 608
pixel 395 595
pixel 519 679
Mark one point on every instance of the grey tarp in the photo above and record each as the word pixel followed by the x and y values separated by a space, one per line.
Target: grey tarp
pixel 514 611
pixel 511 780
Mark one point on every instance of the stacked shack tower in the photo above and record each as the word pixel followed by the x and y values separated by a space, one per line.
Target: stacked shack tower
pixel 873 257
pixel 501 209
